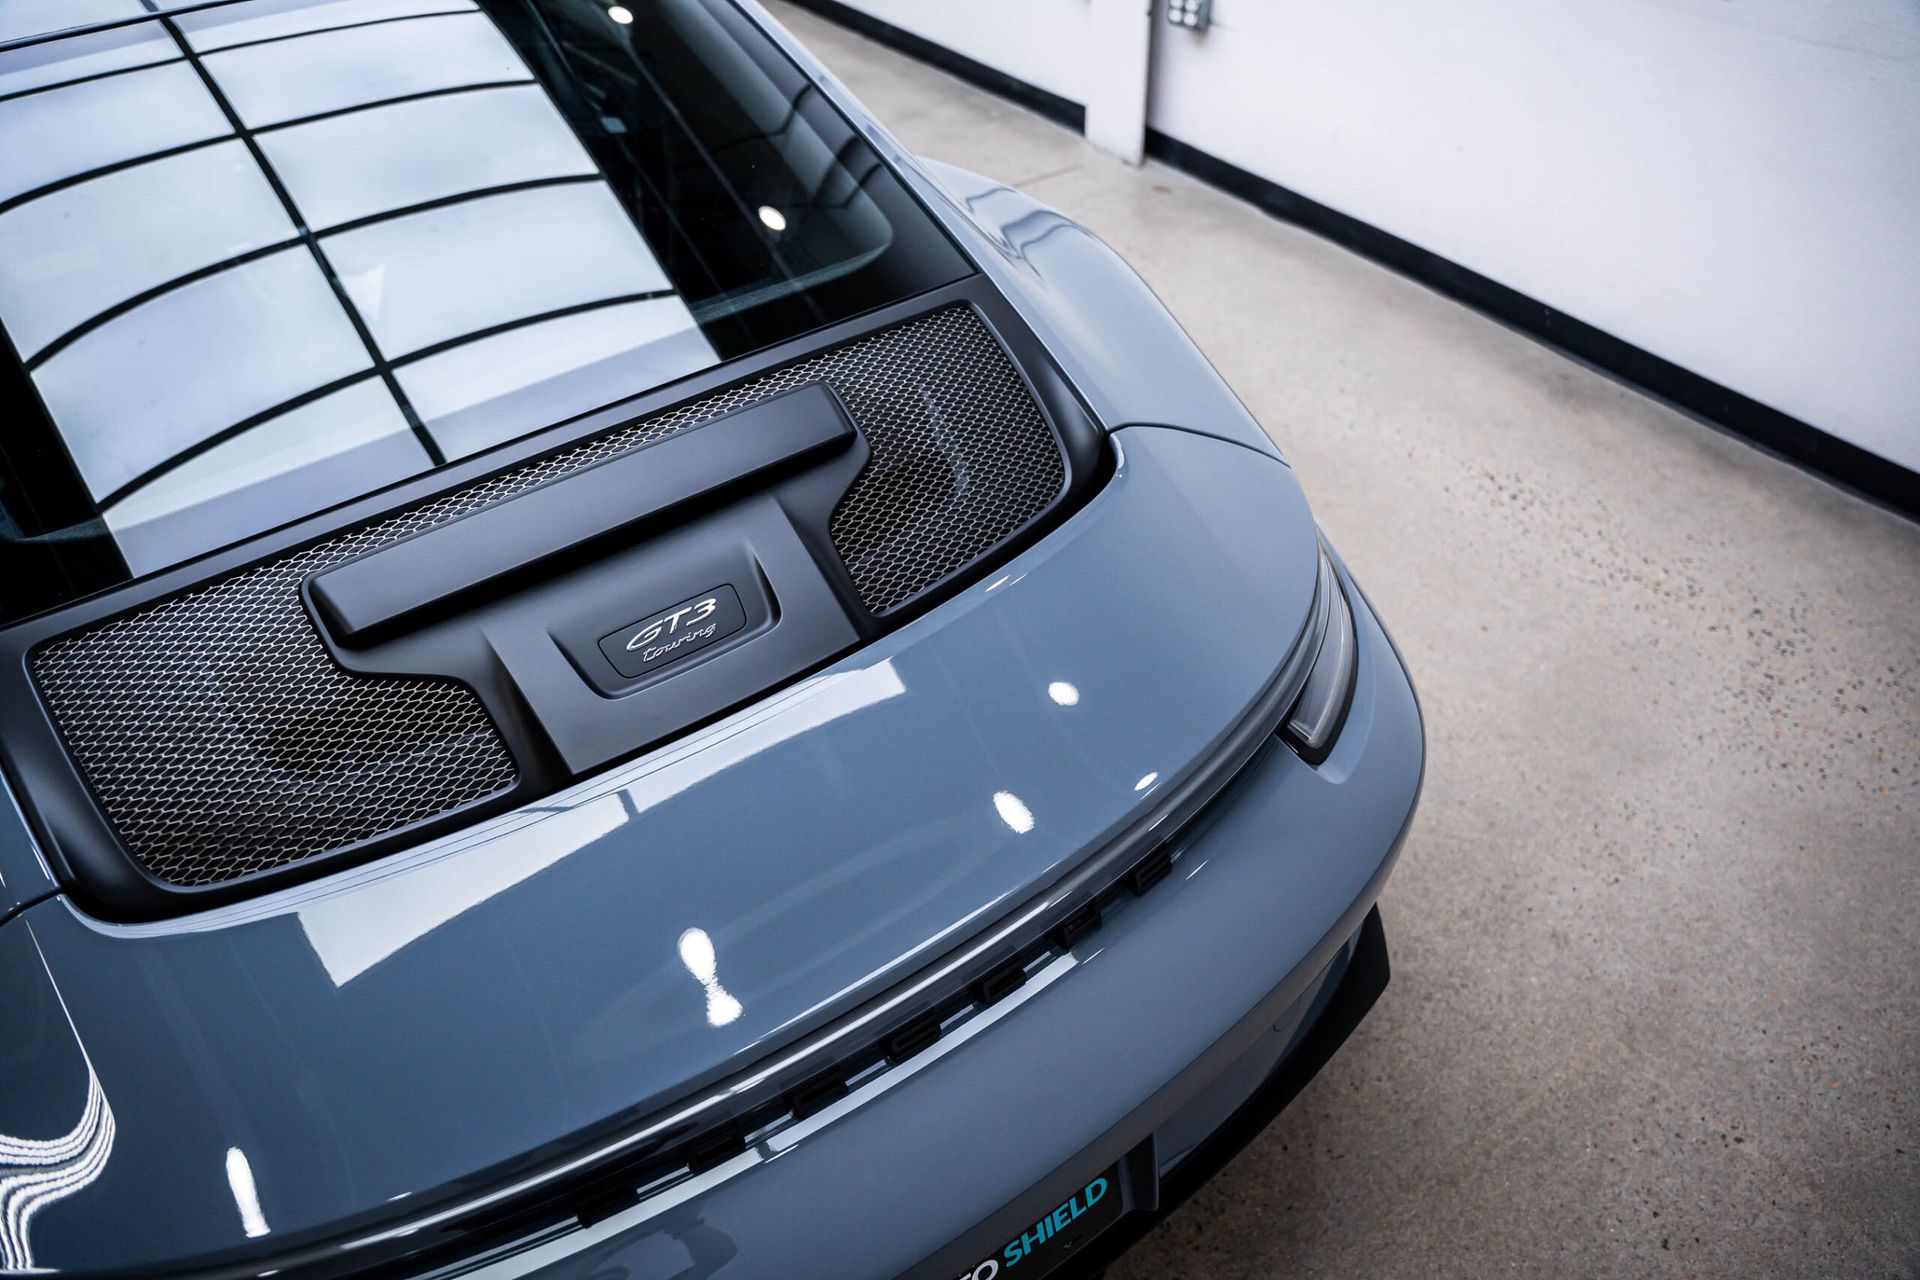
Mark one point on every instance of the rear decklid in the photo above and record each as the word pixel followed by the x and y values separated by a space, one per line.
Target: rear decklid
pixel 476 1014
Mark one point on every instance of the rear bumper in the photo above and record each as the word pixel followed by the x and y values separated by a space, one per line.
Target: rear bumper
pixel 1180 1027
pixel 1283 1061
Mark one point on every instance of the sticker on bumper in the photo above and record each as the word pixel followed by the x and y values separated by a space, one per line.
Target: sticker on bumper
pixel 1058 1232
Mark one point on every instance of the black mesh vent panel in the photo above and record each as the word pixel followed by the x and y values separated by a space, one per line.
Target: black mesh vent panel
pixel 961 457
pixel 220 738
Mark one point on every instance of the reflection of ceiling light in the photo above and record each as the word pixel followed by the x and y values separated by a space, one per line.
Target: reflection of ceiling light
pixel 245 1194
pixel 621 14
pixel 1013 812
pixel 696 952
pixel 775 220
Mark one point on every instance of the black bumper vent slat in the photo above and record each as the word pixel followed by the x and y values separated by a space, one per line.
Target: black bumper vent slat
pixel 220 739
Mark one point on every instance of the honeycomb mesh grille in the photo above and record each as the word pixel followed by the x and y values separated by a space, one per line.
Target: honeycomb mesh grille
pixel 221 739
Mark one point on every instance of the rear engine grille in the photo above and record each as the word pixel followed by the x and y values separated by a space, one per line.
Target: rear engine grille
pixel 961 457
pixel 221 739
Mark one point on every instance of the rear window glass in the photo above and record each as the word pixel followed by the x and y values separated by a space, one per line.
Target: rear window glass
pixel 263 258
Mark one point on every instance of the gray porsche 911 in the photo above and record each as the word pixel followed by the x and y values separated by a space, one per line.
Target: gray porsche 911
pixel 604 674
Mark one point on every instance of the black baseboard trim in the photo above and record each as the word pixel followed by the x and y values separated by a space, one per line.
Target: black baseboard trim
pixel 1801 442
pixel 1865 472
pixel 1031 96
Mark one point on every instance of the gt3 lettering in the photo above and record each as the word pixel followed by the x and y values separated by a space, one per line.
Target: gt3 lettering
pixel 670 624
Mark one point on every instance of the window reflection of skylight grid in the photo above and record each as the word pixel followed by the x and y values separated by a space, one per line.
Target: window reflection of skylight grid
pixel 230 258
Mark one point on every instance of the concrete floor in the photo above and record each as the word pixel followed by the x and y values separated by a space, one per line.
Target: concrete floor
pixel 1656 934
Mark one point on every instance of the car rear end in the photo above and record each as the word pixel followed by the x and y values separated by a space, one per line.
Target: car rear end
pixel 714 699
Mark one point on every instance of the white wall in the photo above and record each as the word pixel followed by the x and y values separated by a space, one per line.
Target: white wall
pixel 1043 42
pixel 1119 57
pixel 1732 186
pixel 1092 52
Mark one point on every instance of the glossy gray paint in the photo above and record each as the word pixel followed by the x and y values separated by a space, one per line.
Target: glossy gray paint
pixel 917 1180
pixel 452 1012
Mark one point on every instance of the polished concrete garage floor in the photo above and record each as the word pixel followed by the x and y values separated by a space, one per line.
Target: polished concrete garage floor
pixel 1656 934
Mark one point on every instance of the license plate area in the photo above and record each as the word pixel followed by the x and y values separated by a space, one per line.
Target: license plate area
pixel 1061 1232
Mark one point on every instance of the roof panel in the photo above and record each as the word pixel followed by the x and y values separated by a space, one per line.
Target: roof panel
pixel 45 137
pixel 74 253
pixel 169 375
pixel 209 29
pixel 76 57
pixel 20 19
pixel 465 267
pixel 384 158
pixel 288 79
